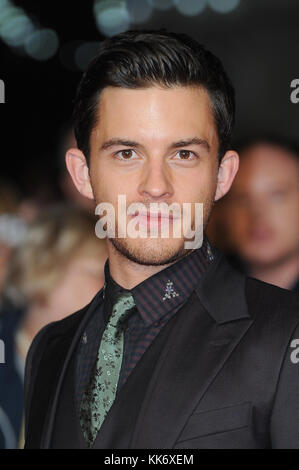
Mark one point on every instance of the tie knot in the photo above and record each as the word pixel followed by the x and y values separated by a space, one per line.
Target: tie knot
pixel 123 303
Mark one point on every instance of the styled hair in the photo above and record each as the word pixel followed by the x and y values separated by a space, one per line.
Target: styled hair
pixel 140 59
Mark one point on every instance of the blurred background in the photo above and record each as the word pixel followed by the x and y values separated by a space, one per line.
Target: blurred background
pixel 44 49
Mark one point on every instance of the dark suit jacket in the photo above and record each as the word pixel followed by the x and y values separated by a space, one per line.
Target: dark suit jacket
pixel 223 373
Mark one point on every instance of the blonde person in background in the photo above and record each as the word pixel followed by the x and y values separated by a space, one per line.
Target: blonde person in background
pixel 12 229
pixel 57 269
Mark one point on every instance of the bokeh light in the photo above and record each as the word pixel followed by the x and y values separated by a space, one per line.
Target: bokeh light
pixel 20 32
pixel 42 44
pixel 161 4
pixel 190 7
pixel 15 29
pixel 112 17
pixel 223 6
pixel 140 11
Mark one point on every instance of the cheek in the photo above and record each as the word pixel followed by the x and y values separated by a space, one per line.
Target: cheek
pixel 287 220
pixel 197 186
pixel 109 178
pixel 106 185
pixel 285 215
pixel 236 222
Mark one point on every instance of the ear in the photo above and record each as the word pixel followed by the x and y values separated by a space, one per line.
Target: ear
pixel 226 173
pixel 78 169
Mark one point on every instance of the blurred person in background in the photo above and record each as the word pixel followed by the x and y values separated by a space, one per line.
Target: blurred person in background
pixel 12 229
pixel 57 269
pixel 40 190
pixel 260 215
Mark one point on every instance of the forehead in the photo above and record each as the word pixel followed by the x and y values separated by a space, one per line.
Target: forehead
pixel 265 165
pixel 155 113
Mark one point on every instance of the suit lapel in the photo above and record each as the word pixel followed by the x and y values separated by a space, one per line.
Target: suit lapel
pixel 199 345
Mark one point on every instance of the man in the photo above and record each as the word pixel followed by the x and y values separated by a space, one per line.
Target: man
pixel 177 350
pixel 262 212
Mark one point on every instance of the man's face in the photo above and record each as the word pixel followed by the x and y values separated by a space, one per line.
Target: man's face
pixel 153 164
pixel 263 206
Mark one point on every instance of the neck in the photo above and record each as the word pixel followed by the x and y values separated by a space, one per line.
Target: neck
pixel 127 273
pixel 283 274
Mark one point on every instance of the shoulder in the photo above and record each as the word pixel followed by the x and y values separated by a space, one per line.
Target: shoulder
pixel 268 298
pixel 60 327
pixel 47 338
pixel 61 330
pixel 275 314
pixel 57 336
pixel 229 295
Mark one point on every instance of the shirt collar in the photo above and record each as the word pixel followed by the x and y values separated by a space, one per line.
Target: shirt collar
pixel 167 289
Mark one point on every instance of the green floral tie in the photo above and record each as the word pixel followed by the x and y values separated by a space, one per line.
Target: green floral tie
pixel 100 393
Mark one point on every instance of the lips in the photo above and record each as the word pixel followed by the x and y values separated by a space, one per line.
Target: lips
pixel 154 219
pixel 154 215
pixel 260 234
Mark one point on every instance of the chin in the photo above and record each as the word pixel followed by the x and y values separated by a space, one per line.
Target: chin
pixel 270 256
pixel 149 252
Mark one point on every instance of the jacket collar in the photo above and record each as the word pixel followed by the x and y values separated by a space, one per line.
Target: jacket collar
pixel 222 292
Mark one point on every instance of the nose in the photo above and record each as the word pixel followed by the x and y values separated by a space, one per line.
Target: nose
pixel 155 183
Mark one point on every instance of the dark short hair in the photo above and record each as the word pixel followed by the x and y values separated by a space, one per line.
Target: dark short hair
pixel 139 59
pixel 274 140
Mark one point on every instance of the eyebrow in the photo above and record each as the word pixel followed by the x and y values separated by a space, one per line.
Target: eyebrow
pixel 131 143
pixel 193 141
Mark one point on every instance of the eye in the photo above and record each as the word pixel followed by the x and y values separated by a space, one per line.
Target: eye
pixel 185 155
pixel 125 154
